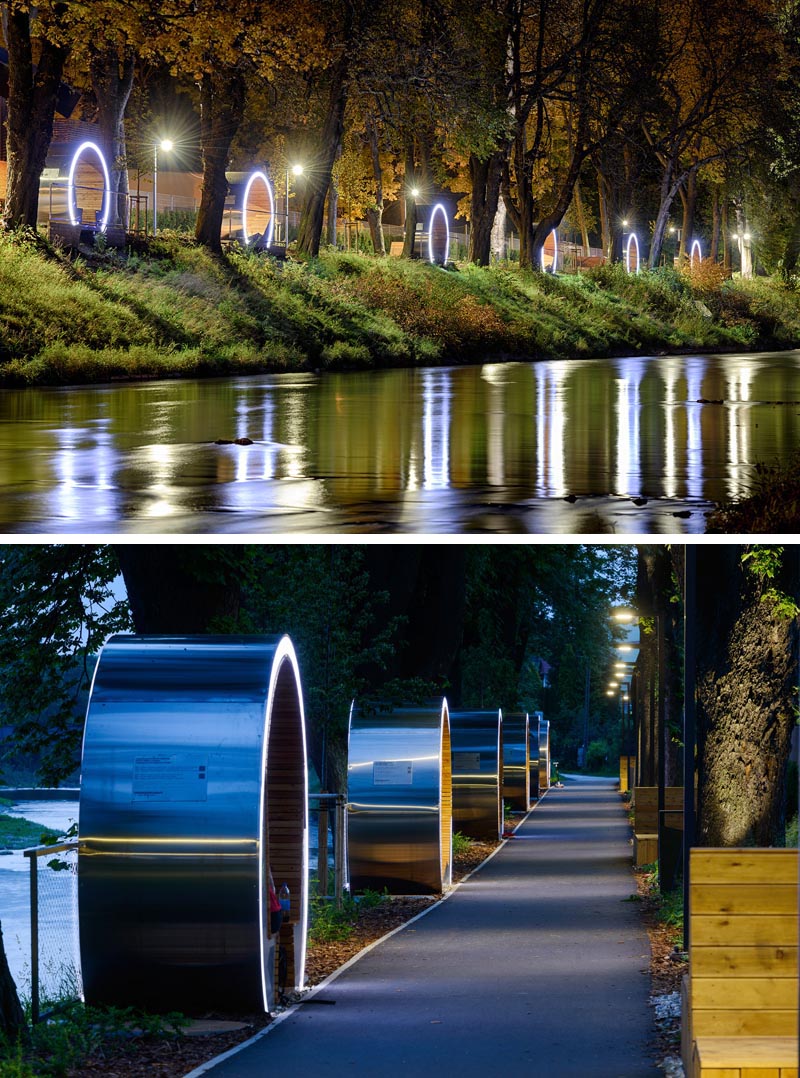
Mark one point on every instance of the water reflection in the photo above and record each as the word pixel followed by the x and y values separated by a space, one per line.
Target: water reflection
pixel 528 447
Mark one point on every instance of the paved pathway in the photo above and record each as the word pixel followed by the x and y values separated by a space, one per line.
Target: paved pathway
pixel 535 966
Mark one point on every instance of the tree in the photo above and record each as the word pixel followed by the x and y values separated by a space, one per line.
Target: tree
pixel 712 60
pixel 747 629
pixel 38 46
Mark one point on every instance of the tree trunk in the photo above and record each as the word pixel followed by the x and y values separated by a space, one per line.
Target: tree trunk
pixel 319 174
pixel 333 214
pixel 222 97
pixel 178 589
pixel 581 217
pixel 410 226
pixel 485 175
pixel 375 213
pixel 112 79
pixel 31 111
pixel 716 224
pixel 12 1018
pixel 746 676
pixel 726 242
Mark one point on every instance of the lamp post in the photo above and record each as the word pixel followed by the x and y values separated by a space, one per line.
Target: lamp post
pixel 166 145
pixel 296 170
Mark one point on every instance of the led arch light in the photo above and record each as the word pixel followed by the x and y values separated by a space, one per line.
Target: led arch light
pixel 554 234
pixel 632 241
pixel 262 176
pixel 696 248
pixel 438 208
pixel 71 204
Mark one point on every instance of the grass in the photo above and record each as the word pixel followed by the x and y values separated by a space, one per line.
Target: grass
pixel 17 833
pixel 329 922
pixel 75 1032
pixel 168 308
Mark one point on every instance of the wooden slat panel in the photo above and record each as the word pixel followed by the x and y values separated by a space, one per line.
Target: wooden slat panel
pixel 788 1072
pixel 743 866
pixel 753 898
pixel 743 961
pixel 744 1023
pixel 778 929
pixel 723 993
pixel 761 1072
pixel 754 1051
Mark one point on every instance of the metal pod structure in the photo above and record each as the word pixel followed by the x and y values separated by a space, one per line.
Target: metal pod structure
pixel 475 737
pixel 193 787
pixel 516 761
pixel 399 810
pixel 533 762
pixel 544 755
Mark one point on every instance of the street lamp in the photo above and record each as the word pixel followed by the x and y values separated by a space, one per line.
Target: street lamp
pixel 166 145
pixel 296 170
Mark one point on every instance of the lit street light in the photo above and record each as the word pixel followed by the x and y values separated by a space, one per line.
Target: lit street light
pixel 296 170
pixel 165 145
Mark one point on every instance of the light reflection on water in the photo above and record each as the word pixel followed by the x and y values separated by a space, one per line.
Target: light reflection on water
pixel 545 447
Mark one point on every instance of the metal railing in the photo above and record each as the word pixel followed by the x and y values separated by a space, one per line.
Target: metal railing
pixel 55 968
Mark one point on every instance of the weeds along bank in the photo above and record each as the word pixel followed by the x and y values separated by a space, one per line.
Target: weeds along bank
pixel 168 308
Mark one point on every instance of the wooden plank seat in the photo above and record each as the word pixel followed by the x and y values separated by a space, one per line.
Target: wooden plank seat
pixel 739 999
pixel 645 820
pixel 745 1057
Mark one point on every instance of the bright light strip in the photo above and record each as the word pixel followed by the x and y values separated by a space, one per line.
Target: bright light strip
pixel 73 216
pixel 283 653
pixel 554 234
pixel 438 208
pixel 631 239
pixel 258 175
pixel 695 247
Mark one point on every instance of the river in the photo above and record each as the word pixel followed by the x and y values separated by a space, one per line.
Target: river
pixel 631 445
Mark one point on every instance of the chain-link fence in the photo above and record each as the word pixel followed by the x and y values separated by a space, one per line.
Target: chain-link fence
pixel 55 959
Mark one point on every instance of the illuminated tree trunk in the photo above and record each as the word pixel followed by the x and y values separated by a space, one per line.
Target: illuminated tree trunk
pixel 410 227
pixel 746 677
pixel 112 79
pixel 32 96
pixel 375 212
pixel 485 174
pixel 309 231
pixel 222 97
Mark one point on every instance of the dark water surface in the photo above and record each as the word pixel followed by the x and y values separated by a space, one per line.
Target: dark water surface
pixel 568 447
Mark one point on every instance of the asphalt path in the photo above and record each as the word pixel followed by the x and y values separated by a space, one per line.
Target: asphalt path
pixel 536 965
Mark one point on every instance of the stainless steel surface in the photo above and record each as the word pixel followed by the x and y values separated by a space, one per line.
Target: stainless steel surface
pixel 516 768
pixel 533 768
pixel 477 773
pixel 544 755
pixel 193 784
pixel 399 811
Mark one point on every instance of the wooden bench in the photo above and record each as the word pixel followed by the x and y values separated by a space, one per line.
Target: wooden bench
pixel 645 820
pixel 627 764
pixel 739 999
pixel 395 248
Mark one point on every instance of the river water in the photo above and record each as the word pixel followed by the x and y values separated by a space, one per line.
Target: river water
pixel 641 444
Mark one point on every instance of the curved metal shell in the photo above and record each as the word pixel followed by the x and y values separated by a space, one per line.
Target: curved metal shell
pixel 544 755
pixel 534 756
pixel 516 766
pixel 399 811
pixel 193 786
pixel 475 737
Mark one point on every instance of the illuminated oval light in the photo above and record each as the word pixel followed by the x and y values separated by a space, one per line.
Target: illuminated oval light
pixel 259 175
pixel 71 204
pixel 631 240
pixel 554 234
pixel 438 208
pixel 695 247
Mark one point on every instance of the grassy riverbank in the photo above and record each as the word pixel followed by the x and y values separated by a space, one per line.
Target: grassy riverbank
pixel 168 309
pixel 17 833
